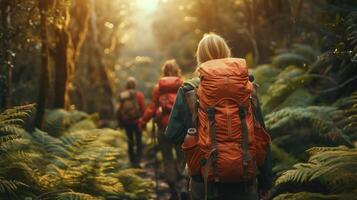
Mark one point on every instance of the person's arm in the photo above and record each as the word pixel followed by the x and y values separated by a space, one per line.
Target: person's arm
pixel 176 129
pixel 265 177
pixel 141 101
pixel 150 111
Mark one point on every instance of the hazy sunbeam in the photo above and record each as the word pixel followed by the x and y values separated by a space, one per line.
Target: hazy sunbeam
pixel 147 5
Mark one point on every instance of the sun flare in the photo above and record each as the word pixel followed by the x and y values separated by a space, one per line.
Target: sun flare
pixel 147 5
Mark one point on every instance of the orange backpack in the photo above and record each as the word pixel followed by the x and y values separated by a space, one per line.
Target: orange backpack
pixel 168 87
pixel 229 142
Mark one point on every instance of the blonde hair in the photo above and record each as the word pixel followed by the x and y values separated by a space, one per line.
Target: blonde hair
pixel 212 46
pixel 170 68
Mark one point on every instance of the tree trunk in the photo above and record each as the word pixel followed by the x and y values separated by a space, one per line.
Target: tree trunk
pixel 44 77
pixel 64 65
pixel 81 14
pixel 8 66
pixel 298 11
pixel 250 6
pixel 67 49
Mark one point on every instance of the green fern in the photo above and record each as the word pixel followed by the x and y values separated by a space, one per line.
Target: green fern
pixel 10 186
pixel 14 160
pixel 306 196
pixel 288 86
pixel 264 76
pixel 323 166
pixel 281 159
pixel 80 164
pixel 60 121
pixel 76 196
pixel 327 123
pixel 11 121
pixel 299 55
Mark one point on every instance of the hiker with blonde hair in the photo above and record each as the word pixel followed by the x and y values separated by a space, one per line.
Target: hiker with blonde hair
pixel 163 98
pixel 218 123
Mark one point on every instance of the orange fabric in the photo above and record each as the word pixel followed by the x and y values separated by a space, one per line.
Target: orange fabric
pixel 224 85
pixel 141 101
pixel 150 111
pixel 163 98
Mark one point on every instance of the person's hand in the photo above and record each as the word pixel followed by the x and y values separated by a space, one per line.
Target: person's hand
pixel 141 124
pixel 264 194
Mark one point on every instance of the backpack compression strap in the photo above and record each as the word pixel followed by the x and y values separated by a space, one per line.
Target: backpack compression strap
pixel 242 117
pixel 212 157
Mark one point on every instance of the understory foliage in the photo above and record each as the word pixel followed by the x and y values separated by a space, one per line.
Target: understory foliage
pixel 330 171
pixel 82 162
pixel 309 97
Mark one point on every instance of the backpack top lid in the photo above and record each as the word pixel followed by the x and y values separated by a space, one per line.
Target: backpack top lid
pixel 224 79
pixel 169 84
pixel 224 67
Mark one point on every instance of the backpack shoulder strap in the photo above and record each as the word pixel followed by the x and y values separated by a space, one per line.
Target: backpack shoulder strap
pixel 191 84
pixel 189 87
pixel 257 112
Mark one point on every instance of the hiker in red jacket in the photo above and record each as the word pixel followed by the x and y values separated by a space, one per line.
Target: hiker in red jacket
pixel 163 98
pixel 132 107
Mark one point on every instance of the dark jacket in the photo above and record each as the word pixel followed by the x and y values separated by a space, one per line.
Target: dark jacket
pixel 181 120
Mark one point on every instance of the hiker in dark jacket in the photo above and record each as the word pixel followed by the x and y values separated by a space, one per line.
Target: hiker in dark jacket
pixel 132 107
pixel 214 47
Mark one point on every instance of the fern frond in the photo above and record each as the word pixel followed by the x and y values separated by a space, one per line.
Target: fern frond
pixel 317 150
pixel 321 121
pixel 289 58
pixel 281 158
pixel 334 168
pixel 290 81
pixel 20 112
pixel 10 186
pixel 306 196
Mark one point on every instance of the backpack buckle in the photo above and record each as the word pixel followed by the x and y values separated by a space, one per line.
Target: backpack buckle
pixel 241 112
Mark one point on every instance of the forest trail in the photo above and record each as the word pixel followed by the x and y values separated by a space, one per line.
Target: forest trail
pixel 154 171
pixel 63 64
pixel 150 167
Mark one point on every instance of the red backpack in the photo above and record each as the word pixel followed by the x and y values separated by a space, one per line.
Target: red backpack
pixel 229 142
pixel 168 87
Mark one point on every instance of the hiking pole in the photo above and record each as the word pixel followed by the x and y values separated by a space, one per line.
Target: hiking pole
pixel 154 140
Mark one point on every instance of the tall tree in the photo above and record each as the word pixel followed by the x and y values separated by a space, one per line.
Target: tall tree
pixel 69 40
pixel 5 6
pixel 44 77
pixel 64 61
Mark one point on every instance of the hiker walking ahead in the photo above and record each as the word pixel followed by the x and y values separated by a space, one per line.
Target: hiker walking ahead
pixel 218 123
pixel 132 106
pixel 163 98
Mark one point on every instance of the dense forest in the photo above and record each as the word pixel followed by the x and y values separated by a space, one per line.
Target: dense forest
pixel 63 63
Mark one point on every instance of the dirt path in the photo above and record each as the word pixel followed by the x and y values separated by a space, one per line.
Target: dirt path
pixel 151 168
